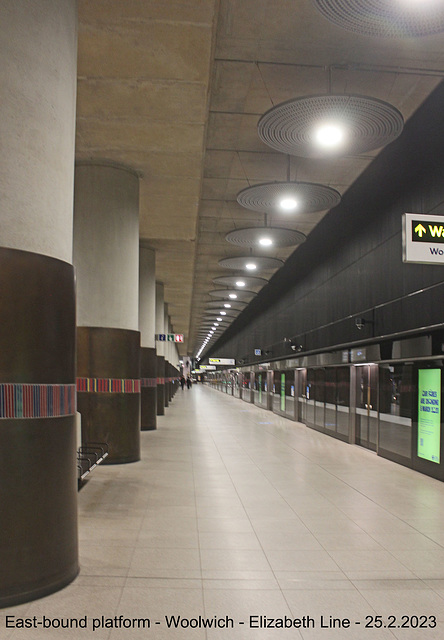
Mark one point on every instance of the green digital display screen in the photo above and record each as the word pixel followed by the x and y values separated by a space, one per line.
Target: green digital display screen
pixel 282 391
pixel 429 414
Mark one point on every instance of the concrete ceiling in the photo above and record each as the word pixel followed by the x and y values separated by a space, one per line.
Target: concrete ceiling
pixel 175 89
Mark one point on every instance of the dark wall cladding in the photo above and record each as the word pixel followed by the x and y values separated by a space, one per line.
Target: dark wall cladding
pixel 352 261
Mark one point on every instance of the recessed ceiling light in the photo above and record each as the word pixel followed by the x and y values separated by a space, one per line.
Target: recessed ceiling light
pixel 233 296
pixel 240 283
pixel 250 266
pixel 265 242
pixel 227 305
pixel 329 136
pixel 288 204
pixel 385 18
pixel 223 313
pixel 331 124
pixel 216 324
pixel 219 319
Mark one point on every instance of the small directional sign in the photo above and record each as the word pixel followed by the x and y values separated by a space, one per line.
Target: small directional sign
pixel 169 337
pixel 221 361
pixel 423 238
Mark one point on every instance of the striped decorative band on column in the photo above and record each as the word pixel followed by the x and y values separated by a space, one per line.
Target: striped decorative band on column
pixel 19 400
pixel 160 380
pixel 148 382
pixel 108 385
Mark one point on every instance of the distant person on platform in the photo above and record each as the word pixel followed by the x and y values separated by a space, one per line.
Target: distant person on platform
pixel 188 382
pixel 182 382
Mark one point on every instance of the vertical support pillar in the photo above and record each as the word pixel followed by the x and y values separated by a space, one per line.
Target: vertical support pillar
pixel 106 256
pixel 160 349
pixel 147 323
pixel 169 358
pixel 166 355
pixel 38 471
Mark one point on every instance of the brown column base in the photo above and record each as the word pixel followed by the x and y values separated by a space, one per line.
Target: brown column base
pixel 160 385
pixel 38 468
pixel 38 534
pixel 148 377
pixel 108 387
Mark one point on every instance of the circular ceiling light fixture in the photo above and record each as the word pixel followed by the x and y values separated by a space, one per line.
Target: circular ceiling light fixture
pixel 277 236
pixel 262 263
pixel 240 283
pixel 211 315
pixel 233 294
pixel 227 305
pixel 220 303
pixel 385 18
pixel 276 197
pixel 251 266
pixel 292 127
pixel 265 242
pixel 231 281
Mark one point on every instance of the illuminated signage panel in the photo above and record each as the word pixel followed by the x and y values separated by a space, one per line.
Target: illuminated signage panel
pixel 429 414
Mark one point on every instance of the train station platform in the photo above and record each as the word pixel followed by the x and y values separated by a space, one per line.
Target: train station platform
pixel 237 520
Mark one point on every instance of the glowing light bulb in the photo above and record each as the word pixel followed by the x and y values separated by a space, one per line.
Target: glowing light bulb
pixel 329 136
pixel 265 242
pixel 227 306
pixel 288 204
pixel 240 283
pixel 250 266
pixel 223 313
pixel 233 296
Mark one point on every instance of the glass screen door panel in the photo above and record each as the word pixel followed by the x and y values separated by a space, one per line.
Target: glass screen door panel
pixel 366 406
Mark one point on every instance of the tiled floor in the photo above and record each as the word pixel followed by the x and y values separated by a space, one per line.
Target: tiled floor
pixel 232 515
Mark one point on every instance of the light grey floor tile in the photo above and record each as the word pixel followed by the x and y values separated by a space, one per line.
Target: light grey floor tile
pixel 288 540
pixel 258 583
pixel 165 563
pixel 364 560
pixel 300 560
pixel 234 560
pixel 228 524
pixel 105 560
pixel 313 580
pixel 172 539
pixel 228 540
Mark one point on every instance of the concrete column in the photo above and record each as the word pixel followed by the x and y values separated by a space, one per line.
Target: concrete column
pixel 38 470
pixel 160 349
pixel 147 323
pixel 166 324
pixel 106 257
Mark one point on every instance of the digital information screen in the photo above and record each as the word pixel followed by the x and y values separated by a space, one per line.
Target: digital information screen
pixel 429 414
